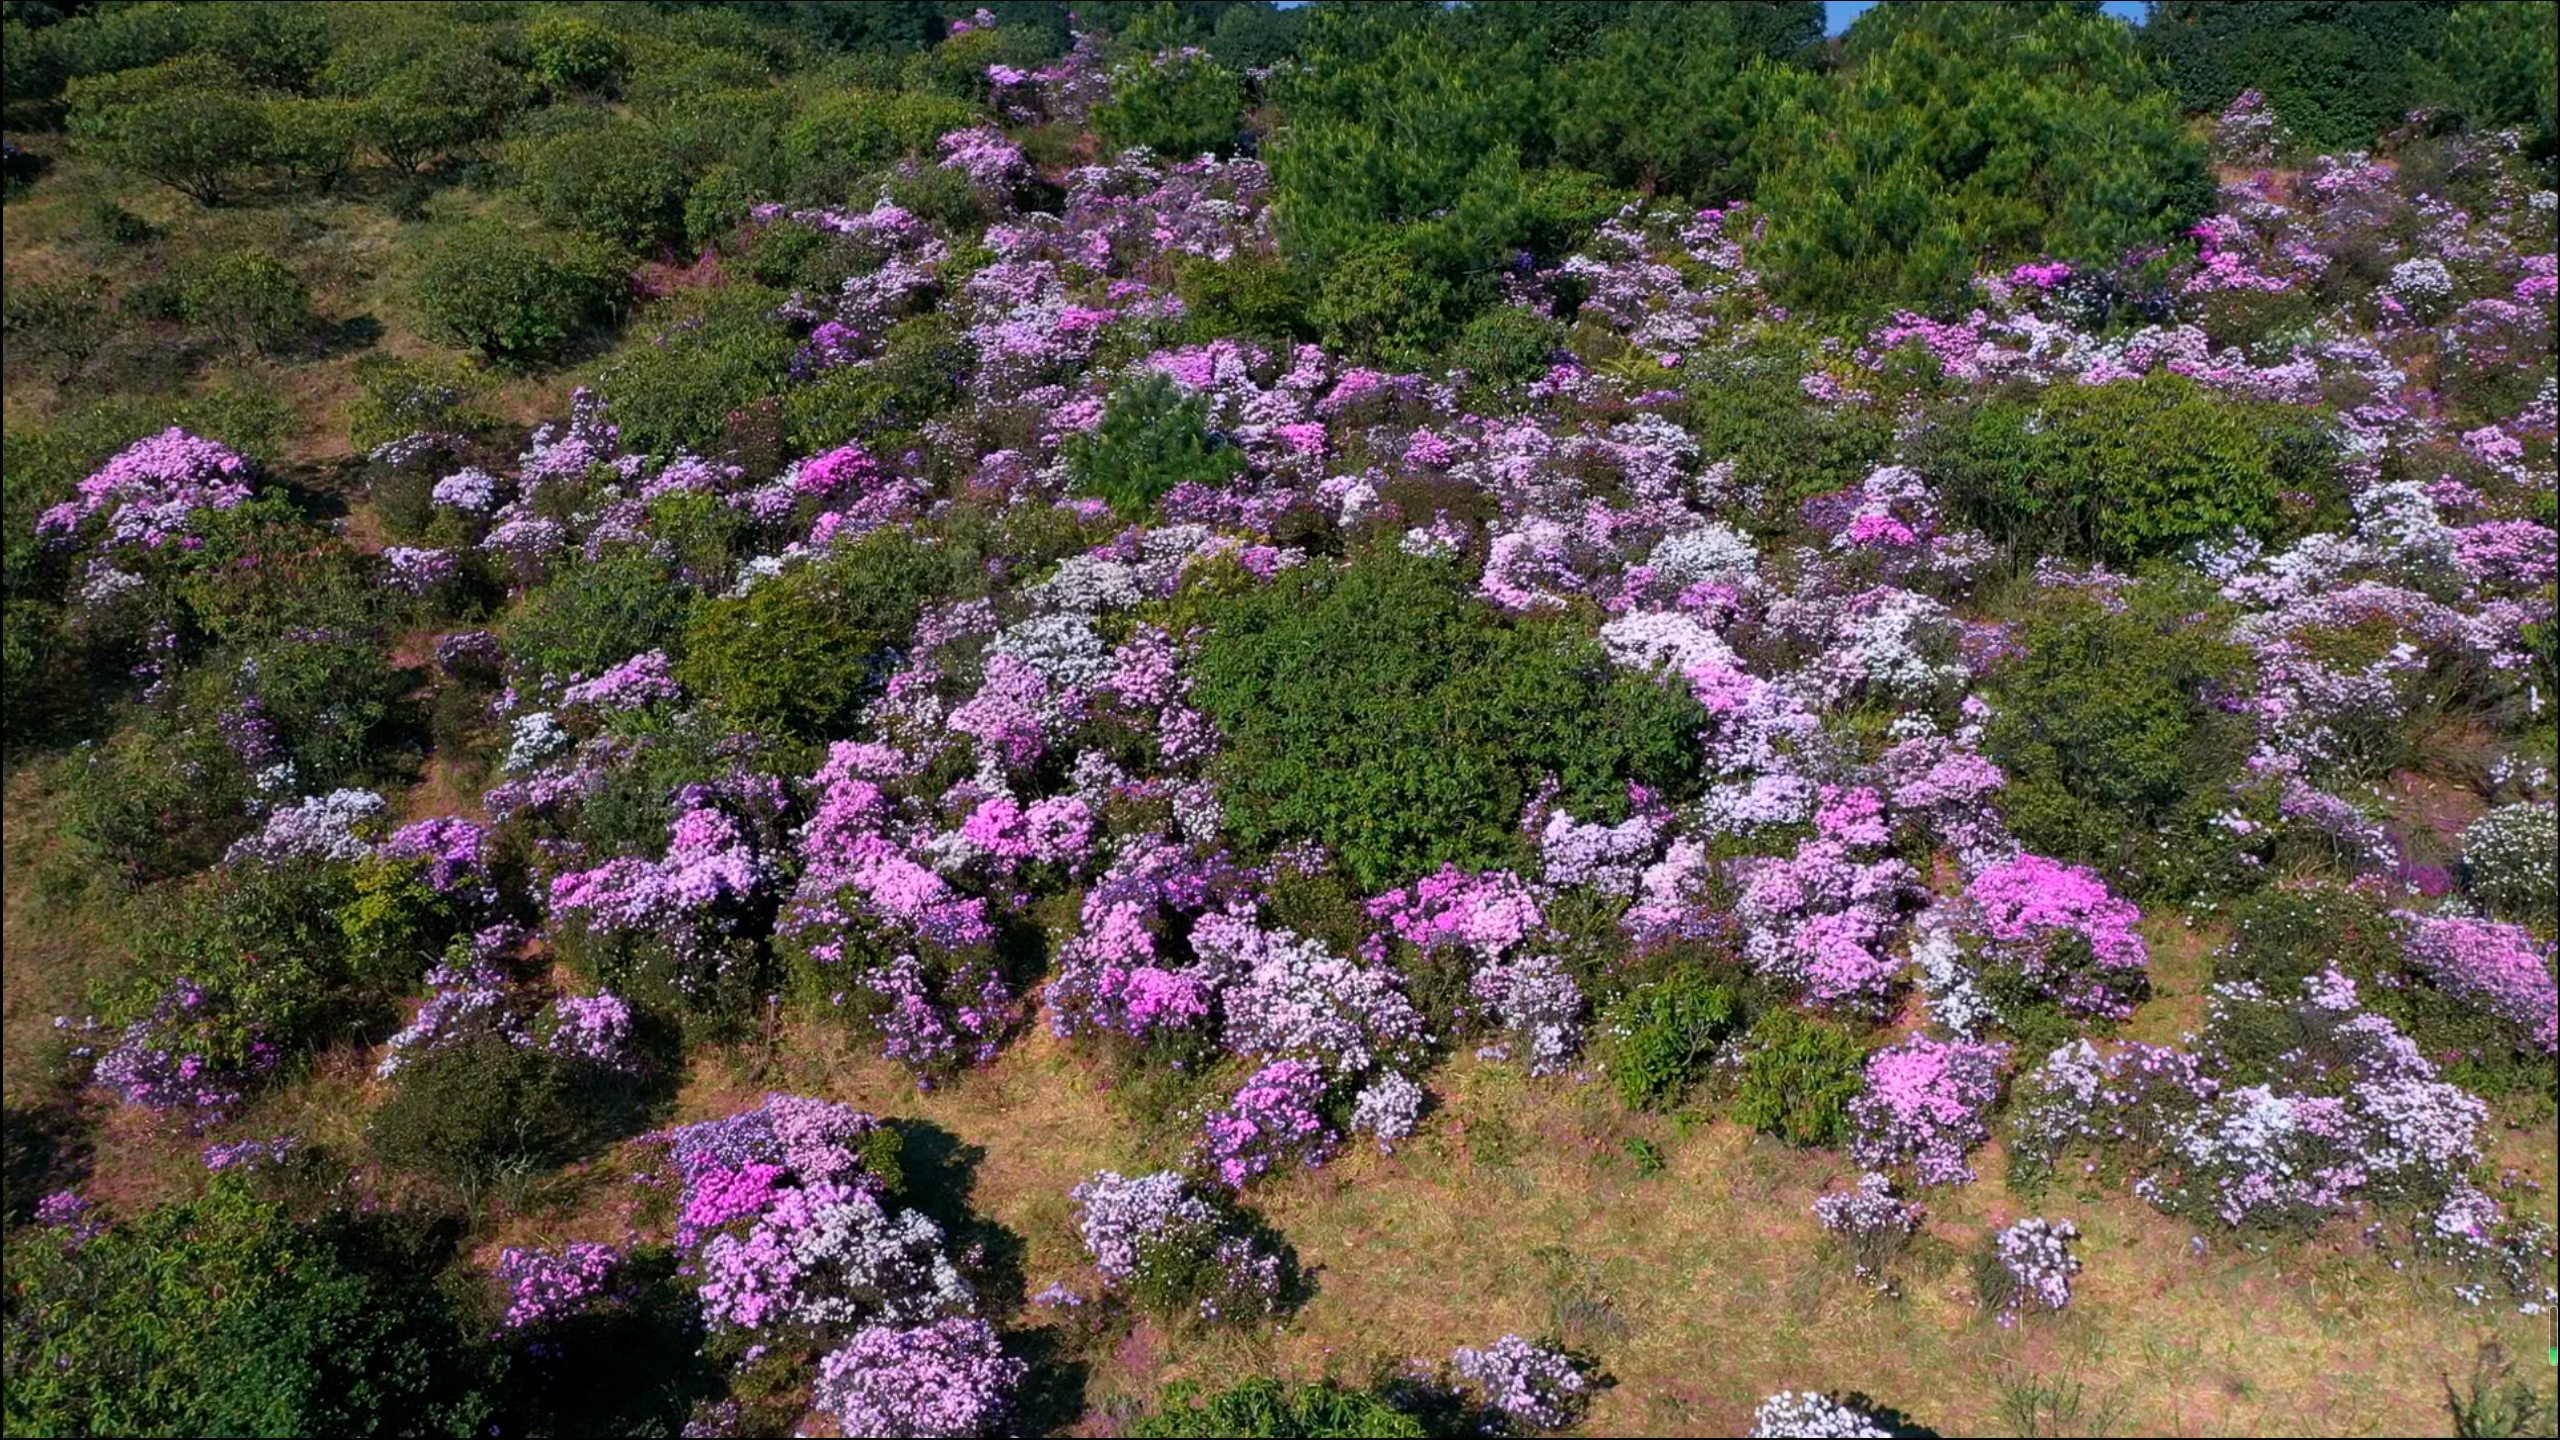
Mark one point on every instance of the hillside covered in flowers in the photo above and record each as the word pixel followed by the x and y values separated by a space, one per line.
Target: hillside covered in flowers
pixel 1191 719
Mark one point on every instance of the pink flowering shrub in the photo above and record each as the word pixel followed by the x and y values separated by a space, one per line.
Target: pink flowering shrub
pixel 152 492
pixel 545 1286
pixel 1927 1105
pixel 2055 931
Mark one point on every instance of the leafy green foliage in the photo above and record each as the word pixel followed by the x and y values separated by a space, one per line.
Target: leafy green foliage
pixel 2338 75
pixel 2108 730
pixel 1152 438
pixel 2496 66
pixel 798 652
pixel 513 296
pixel 591 617
pixel 1262 1406
pixel 1506 348
pixel 1966 132
pixel 1748 405
pixel 479 1113
pixel 1798 1077
pixel 1179 106
pixel 221 1316
pixel 398 396
pixel 718 354
pixel 1659 1037
pixel 837 137
pixel 250 297
pixel 199 142
pixel 1380 709
pixel 312 142
pixel 1675 99
pixel 571 53
pixel 615 179
pixel 2125 471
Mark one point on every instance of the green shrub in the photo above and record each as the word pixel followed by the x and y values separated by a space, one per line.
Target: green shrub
pixel 1675 105
pixel 714 354
pixel 1180 106
pixel 2109 730
pixel 1379 303
pixel 614 179
pixel 588 618
pixel 396 924
pixel 263 941
pixel 839 136
pixel 1798 1076
pixel 514 296
pixel 1152 438
pixel 153 806
pixel 2286 934
pixel 1961 134
pixel 1658 1038
pixel 399 396
pixel 252 298
pixel 476 1114
pixel 64 322
pixel 1748 405
pixel 574 54
pixel 2123 471
pixel 201 143
pixel 313 142
pixel 111 224
pixel 2495 66
pixel 1383 710
pixel 1506 348
pixel 1257 296
pixel 223 1316
pixel 1263 1406
pixel 797 653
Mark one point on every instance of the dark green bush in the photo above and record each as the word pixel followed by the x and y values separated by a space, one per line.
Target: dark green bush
pixel 1965 133
pixel 251 298
pixel 1263 1406
pixel 201 143
pixel 1381 709
pixel 514 296
pixel 223 1316
pixel 1657 1039
pixel 591 617
pixel 1180 106
pixel 1506 348
pixel 1798 1076
pixel 2124 471
pixel 2109 730
pixel 712 355
pixel 614 179
pixel 839 136
pixel 477 1114
pixel 397 397
pixel 1152 438
pixel 64 323
pixel 797 653
pixel 1750 407
pixel 571 54
pixel 2338 75
pixel 313 142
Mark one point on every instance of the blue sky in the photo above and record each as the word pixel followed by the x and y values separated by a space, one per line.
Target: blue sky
pixel 1838 13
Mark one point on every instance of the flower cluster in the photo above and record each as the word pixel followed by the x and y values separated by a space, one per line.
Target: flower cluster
pixel 1523 1385
pixel 1927 1104
pixel 1808 1415
pixel 2036 1254
pixel 950 1377
pixel 547 1286
pixel 1274 1118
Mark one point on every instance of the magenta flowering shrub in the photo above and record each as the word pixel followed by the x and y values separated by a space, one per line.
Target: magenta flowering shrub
pixel 2056 931
pixel 1128 972
pixel 151 493
pixel 1523 1386
pixel 593 1029
pixel 1275 1118
pixel 456 851
pixel 951 1377
pixel 2498 968
pixel 709 886
pixel 1927 1105
pixel 167 1059
pixel 1487 913
pixel 1823 918
pixel 547 1286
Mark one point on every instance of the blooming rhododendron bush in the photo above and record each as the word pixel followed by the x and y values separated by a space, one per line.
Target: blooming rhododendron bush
pixel 1178 743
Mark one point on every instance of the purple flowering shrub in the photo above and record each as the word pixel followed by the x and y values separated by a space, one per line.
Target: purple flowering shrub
pixel 2497 969
pixel 2040 931
pixel 1177 1253
pixel 1522 1387
pixel 950 1377
pixel 1872 1221
pixel 2027 1265
pixel 545 1287
pixel 1276 1118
